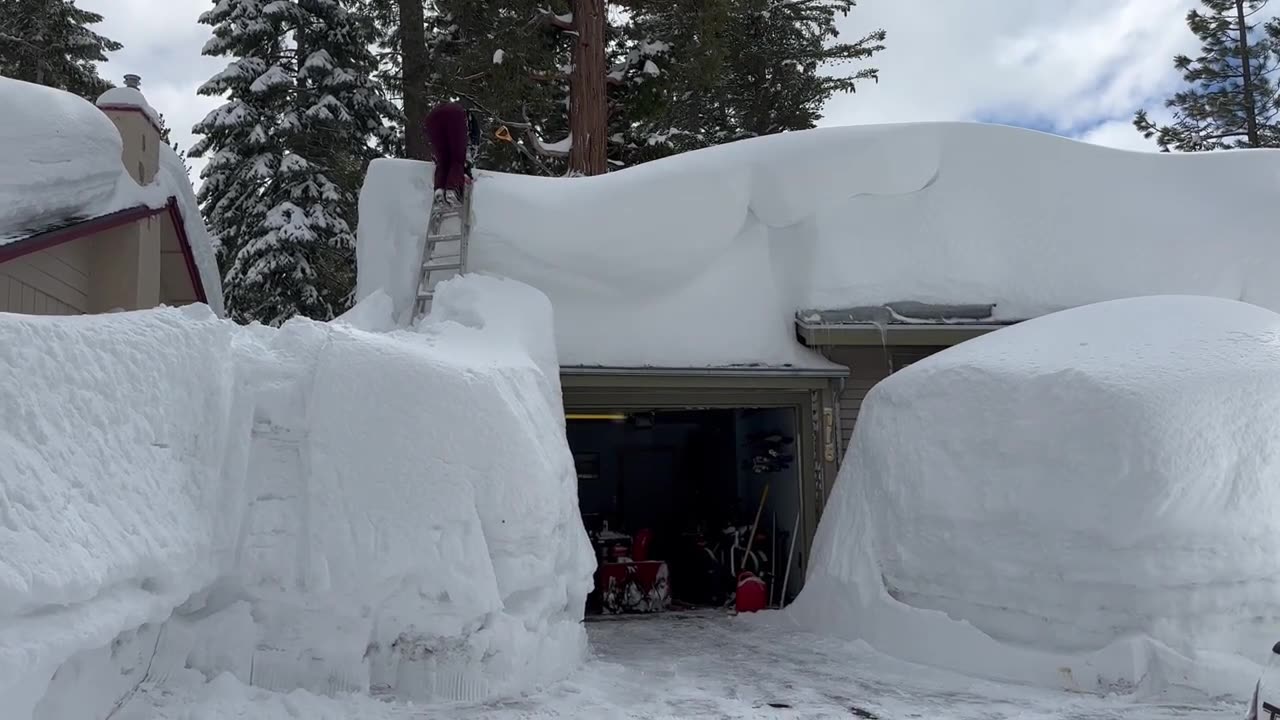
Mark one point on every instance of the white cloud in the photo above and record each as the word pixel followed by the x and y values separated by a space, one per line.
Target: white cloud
pixel 1066 65
pixel 1077 67
pixel 162 41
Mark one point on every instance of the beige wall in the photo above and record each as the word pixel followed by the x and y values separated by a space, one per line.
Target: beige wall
pixel 49 282
pixel 176 286
pixel 132 267
pixel 125 267
pixel 141 154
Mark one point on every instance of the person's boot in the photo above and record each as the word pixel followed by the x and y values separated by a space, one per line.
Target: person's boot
pixel 452 198
pixel 438 198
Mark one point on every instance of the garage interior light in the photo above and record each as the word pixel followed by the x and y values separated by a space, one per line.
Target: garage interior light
pixel 613 417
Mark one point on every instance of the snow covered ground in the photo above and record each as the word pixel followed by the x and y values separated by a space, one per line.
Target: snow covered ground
pixel 691 667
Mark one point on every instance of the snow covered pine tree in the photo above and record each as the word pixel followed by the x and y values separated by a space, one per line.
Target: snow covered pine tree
pixel 49 42
pixel 287 152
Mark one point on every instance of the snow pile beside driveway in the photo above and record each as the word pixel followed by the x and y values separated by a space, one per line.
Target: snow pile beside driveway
pixel 319 507
pixel 116 482
pixel 1088 500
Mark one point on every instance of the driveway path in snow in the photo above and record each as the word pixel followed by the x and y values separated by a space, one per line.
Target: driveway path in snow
pixel 694 666
pixel 708 666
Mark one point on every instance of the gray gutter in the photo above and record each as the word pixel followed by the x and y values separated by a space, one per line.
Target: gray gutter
pixel 836 371
pixel 901 334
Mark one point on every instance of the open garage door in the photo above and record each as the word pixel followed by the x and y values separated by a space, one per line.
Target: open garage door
pixel 678 476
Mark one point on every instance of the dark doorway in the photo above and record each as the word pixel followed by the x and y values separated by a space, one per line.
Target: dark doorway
pixel 682 488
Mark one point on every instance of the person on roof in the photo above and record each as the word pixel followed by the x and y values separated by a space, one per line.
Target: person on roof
pixel 451 131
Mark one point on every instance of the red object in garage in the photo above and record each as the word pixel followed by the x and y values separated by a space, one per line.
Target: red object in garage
pixel 751 592
pixel 640 547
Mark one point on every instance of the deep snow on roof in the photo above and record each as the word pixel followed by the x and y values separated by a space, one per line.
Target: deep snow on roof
pixel 703 259
pixel 59 160
pixel 176 183
pixel 129 97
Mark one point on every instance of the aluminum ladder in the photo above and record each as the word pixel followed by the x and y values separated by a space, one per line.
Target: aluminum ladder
pixel 444 250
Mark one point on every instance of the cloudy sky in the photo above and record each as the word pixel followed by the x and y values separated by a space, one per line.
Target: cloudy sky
pixel 1073 67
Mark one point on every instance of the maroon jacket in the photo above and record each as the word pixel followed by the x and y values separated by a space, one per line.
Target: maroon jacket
pixel 446 130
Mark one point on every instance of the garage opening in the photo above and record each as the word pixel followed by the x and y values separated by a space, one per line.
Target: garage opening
pixel 670 499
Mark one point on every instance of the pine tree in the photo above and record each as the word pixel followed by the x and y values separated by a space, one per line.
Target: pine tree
pixel 166 138
pixel 49 42
pixel 677 74
pixel 403 69
pixel 779 53
pixel 241 137
pixel 746 68
pixel 1232 100
pixel 507 57
pixel 288 151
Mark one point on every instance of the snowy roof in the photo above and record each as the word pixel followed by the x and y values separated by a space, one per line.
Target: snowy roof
pixel 60 165
pixel 129 97
pixel 59 161
pixel 705 258
pixel 175 181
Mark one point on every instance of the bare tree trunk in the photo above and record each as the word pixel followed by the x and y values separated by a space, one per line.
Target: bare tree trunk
pixel 413 53
pixel 41 43
pixel 1250 109
pixel 588 101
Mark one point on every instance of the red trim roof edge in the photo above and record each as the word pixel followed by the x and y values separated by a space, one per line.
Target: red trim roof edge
pixel 133 108
pixel 111 221
pixel 184 242
pixel 58 236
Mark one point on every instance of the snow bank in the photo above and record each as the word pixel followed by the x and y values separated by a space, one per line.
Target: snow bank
pixel 113 480
pixel 59 159
pixel 318 507
pixel 1089 499
pixel 704 258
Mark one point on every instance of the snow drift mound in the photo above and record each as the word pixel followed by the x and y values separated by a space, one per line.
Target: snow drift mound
pixel 1090 498
pixel 703 259
pixel 317 507
pixel 113 480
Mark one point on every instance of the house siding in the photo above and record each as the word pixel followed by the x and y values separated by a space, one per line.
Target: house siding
pixel 54 281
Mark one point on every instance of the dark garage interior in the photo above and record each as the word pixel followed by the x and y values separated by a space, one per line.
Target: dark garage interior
pixel 669 498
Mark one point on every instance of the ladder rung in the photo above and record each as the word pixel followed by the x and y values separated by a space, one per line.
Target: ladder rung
pixel 433 239
pixel 429 267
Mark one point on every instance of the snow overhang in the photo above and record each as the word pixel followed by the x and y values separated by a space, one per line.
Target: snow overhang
pixel 905 323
